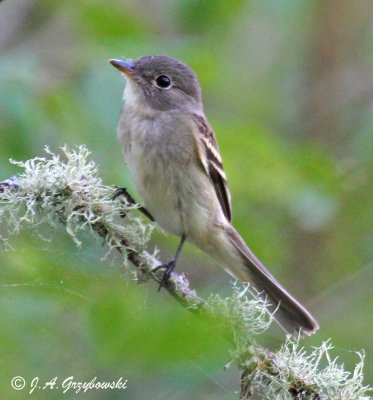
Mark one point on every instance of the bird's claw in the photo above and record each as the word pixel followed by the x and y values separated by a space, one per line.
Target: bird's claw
pixel 123 192
pixel 129 200
pixel 169 267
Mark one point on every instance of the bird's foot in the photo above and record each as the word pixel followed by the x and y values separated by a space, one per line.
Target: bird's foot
pixel 129 200
pixel 169 268
pixel 123 192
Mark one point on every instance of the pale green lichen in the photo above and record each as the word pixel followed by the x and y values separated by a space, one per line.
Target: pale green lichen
pixel 292 372
pixel 247 317
pixel 298 367
pixel 289 373
pixel 68 189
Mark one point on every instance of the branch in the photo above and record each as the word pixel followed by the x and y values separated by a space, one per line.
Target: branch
pixel 70 192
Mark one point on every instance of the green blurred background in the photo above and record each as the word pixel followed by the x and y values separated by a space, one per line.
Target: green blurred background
pixel 288 89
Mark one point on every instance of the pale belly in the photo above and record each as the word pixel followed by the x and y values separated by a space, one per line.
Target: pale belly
pixel 169 177
pixel 178 193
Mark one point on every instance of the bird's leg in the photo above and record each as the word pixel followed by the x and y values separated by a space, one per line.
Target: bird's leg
pixel 169 267
pixel 123 192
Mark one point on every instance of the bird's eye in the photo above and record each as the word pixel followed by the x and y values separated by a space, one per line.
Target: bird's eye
pixel 163 81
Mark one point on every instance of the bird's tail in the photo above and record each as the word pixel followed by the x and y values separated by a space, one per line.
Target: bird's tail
pixel 240 261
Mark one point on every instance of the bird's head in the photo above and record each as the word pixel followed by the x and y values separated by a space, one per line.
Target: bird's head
pixel 161 82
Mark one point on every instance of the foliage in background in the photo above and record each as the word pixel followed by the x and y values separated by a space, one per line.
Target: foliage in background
pixel 287 88
pixel 70 192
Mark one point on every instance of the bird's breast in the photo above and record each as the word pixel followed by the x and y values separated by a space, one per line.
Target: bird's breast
pixel 159 153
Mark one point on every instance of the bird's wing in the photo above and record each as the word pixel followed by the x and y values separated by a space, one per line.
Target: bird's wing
pixel 208 152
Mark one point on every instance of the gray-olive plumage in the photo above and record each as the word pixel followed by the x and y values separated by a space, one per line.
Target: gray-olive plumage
pixel 174 160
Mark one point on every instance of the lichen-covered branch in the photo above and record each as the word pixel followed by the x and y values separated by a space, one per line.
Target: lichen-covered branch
pixel 67 190
pixel 70 191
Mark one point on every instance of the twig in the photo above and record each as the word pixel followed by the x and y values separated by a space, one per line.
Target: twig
pixel 71 193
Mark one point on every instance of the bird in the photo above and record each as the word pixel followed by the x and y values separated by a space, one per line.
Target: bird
pixel 174 160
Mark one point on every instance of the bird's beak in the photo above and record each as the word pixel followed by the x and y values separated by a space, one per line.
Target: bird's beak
pixel 126 67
